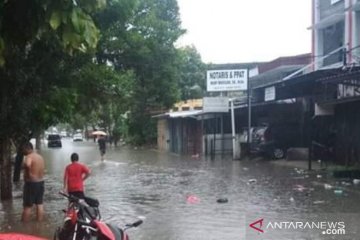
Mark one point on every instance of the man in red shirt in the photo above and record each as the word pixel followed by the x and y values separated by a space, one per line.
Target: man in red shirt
pixel 75 174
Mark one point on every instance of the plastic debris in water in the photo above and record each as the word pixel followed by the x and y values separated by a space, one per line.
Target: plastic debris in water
pixel 345 183
pixel 253 180
pixel 299 171
pixel 192 199
pixel 356 181
pixel 222 200
pixel 318 176
pixel 195 156
pixel 299 188
pixel 327 186
pixel 338 191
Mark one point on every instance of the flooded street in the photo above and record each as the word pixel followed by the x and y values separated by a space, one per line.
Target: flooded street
pixel 134 183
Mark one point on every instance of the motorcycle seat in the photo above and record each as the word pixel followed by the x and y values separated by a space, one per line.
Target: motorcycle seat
pixel 92 212
pixel 92 202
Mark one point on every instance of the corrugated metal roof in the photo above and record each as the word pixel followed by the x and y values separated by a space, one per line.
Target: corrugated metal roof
pixel 184 114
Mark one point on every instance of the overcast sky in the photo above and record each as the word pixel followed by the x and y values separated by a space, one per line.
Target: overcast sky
pixel 229 31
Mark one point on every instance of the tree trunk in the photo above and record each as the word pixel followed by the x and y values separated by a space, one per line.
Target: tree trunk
pixel 5 170
pixel 38 141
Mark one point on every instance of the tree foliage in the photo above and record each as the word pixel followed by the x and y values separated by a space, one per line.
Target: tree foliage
pixel 86 63
pixel 35 71
pixel 192 69
pixel 143 42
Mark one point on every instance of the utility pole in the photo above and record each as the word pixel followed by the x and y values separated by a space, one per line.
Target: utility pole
pixel 233 127
pixel 249 138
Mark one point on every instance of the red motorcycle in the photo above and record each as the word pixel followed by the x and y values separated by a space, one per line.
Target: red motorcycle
pixel 82 222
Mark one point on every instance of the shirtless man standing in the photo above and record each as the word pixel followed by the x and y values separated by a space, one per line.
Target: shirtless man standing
pixel 33 183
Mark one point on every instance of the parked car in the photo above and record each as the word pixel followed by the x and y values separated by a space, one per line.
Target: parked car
pixel 257 139
pixel 78 137
pixel 63 134
pixel 54 140
pixel 275 140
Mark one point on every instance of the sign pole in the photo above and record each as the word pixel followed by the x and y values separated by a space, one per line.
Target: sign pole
pixel 233 127
pixel 249 140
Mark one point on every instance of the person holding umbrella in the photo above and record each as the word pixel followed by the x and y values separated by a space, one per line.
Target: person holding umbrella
pixel 102 146
pixel 101 142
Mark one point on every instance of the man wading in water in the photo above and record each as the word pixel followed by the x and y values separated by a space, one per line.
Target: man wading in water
pixel 33 183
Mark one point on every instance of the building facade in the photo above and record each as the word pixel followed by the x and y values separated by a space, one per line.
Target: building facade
pixel 336 58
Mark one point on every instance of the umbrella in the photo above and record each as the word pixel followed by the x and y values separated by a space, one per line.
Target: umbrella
pixel 99 133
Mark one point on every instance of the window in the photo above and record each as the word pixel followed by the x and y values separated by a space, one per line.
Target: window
pixel 54 137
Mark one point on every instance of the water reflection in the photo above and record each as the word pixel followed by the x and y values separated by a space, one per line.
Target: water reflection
pixel 142 183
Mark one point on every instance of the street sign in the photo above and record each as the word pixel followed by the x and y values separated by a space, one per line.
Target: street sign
pixel 215 104
pixel 227 80
pixel 269 94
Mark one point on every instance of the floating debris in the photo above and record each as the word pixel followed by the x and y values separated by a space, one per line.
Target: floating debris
pixel 192 199
pixel 318 176
pixel 338 191
pixel 299 171
pixel 245 168
pixel 253 180
pixel 195 156
pixel 292 199
pixel 319 202
pixel 356 181
pixel 299 188
pixel 327 186
pixel 222 200
pixel 346 183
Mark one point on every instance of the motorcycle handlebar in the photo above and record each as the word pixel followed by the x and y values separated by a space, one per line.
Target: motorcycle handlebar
pixel 135 224
pixel 71 198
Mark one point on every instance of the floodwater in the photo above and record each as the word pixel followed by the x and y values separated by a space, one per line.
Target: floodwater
pixel 178 196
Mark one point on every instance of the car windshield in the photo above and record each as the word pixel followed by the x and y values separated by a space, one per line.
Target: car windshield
pixel 53 137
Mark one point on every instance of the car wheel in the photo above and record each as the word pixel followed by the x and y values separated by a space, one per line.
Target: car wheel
pixel 278 153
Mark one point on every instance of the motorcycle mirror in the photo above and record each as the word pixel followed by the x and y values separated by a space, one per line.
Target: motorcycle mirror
pixel 137 223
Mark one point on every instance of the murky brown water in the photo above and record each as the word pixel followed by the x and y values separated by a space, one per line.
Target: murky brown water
pixel 134 183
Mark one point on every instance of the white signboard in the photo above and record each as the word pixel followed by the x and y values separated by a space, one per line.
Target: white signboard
pixel 269 94
pixel 226 80
pixel 324 110
pixel 348 91
pixel 216 104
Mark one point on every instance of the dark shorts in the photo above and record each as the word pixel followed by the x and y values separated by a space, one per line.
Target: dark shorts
pixel 33 193
pixel 102 151
pixel 77 194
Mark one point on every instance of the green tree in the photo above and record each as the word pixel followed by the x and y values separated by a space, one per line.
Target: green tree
pixel 103 94
pixel 143 41
pixel 34 78
pixel 192 80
